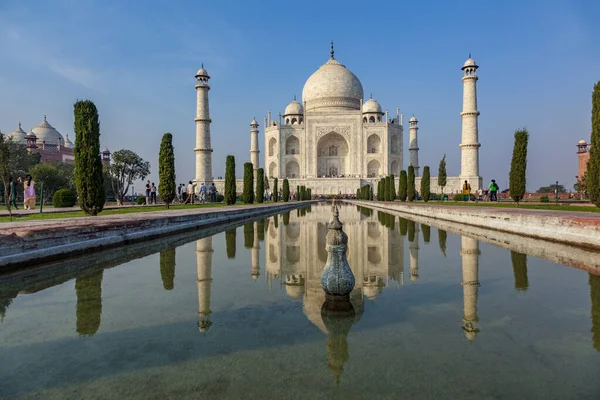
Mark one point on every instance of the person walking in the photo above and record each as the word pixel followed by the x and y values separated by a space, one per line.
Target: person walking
pixel 29 193
pixel 493 191
pixel 190 193
pixel 12 196
pixel 153 193
pixel 203 193
pixel 466 191
pixel 179 192
pixel 213 193
pixel 147 192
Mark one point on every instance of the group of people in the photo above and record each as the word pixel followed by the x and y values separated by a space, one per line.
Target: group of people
pixel 489 194
pixel 29 196
pixel 150 193
pixel 187 195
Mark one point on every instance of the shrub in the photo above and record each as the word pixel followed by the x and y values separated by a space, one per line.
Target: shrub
pixel 220 198
pixel 545 199
pixel 458 197
pixel 64 198
pixel 141 200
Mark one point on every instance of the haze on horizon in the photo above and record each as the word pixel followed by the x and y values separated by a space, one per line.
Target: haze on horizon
pixel 538 64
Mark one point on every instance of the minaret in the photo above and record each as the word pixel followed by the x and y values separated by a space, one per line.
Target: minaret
pixel 413 144
pixel 256 254
pixel 470 282
pixel 204 252
pixel 203 150
pixel 413 252
pixel 469 163
pixel 254 152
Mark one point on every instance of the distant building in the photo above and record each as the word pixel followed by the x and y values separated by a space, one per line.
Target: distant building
pixel 583 155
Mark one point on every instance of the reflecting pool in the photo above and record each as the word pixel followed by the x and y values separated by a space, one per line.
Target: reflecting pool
pixel 238 315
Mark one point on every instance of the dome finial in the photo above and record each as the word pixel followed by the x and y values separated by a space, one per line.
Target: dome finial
pixel 331 52
pixel 370 95
pixel 294 97
pixel 469 54
pixel 45 117
pixel 19 124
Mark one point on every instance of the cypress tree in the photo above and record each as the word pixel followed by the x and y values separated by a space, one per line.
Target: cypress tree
pixel 383 189
pixel 442 236
pixel 410 183
pixel 249 234
pixel 167 268
pixel 519 263
pixel 89 178
pixel 230 194
pixel 166 170
pixel 248 195
pixel 358 197
pixel 230 242
pixel 298 193
pixel 402 186
pixel 518 166
pixel 594 281
pixel 275 190
pixel 392 187
pixel 379 191
pixel 442 176
pixel 285 190
pixel 426 184
pixel 267 183
pixel 426 233
pixel 260 185
pixel 309 195
pixel 593 166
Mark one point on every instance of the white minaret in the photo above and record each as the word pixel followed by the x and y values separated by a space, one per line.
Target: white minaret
pixel 203 150
pixel 204 252
pixel 469 163
pixel 413 144
pixel 254 152
pixel 470 282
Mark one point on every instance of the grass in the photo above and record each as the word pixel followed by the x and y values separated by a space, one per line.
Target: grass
pixel 551 207
pixel 115 211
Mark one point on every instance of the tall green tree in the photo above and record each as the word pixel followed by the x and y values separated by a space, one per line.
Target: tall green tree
pixel 384 188
pixel 248 195
pixel 380 190
pixel 593 167
pixel 391 189
pixel 20 160
pixel 426 184
pixel 88 165
pixel 51 176
pixel 403 186
pixel 125 168
pixel 285 191
pixel 275 190
pixel 260 185
pixel 410 184
pixel 166 170
pixel 167 268
pixel 230 194
pixel 518 166
pixel 4 171
pixel 442 175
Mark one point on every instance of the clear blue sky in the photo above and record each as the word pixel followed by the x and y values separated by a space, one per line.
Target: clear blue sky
pixel 538 63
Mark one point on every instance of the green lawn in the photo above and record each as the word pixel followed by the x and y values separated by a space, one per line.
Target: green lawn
pixel 548 206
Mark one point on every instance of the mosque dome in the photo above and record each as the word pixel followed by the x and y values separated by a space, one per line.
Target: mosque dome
pixel 254 122
pixel 46 132
pixel 371 106
pixel 18 135
pixel 470 63
pixel 294 108
pixel 581 142
pixel 413 119
pixel 68 143
pixel 332 86
pixel 202 71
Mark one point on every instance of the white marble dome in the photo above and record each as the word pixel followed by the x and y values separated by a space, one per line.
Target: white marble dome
pixel 202 72
pixel 254 122
pixel 470 63
pixel 581 142
pixel 332 86
pixel 371 106
pixel 413 119
pixel 294 108
pixel 68 143
pixel 18 135
pixel 46 132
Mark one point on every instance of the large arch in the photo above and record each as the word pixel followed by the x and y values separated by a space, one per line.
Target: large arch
pixel 273 170
pixel 292 169
pixel 292 145
pixel 373 168
pixel 272 147
pixel 333 155
pixel 373 144
pixel 395 168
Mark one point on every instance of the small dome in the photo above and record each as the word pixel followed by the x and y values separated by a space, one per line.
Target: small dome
pixel 68 143
pixel 295 291
pixel 581 142
pixel 413 119
pixel 371 106
pixel 372 292
pixel 202 72
pixel 254 122
pixel 294 108
pixel 106 150
pixel 18 135
pixel 31 135
pixel 46 133
pixel 470 63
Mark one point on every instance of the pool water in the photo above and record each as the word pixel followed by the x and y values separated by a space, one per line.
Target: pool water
pixel 238 315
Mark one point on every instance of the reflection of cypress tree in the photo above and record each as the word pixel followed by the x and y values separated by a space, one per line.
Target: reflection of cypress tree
pixel 286 218
pixel 381 217
pixel 230 242
pixel 519 263
pixel 391 222
pixel 167 268
pixel 89 303
pixel 411 231
pixel 442 236
pixel 260 226
pixel 6 299
pixel 276 221
pixel 594 281
pixel 403 223
pixel 426 233
pixel 249 235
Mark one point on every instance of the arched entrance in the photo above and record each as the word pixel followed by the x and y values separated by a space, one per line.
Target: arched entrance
pixel 332 159
pixel 373 169
pixel 273 170
pixel 292 169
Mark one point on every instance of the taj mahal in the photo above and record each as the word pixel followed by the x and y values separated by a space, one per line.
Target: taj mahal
pixel 333 141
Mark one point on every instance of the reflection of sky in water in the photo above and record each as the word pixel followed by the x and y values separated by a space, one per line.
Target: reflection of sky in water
pixel 132 331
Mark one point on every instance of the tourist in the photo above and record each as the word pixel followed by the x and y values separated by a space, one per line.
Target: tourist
pixel 29 193
pixel 12 195
pixel 179 192
pixel 466 191
pixel 153 193
pixel 190 193
pixel 147 192
pixel 480 194
pixel 213 193
pixel 203 193
pixel 493 191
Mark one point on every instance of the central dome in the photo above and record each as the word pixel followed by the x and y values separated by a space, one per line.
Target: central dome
pixel 332 86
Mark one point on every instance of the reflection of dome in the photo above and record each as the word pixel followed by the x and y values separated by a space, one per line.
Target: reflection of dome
pixel 46 132
pixel 372 291
pixel 332 86
pixel 294 108
pixel 204 325
pixel 18 135
pixel 295 291
pixel 471 330
pixel 414 277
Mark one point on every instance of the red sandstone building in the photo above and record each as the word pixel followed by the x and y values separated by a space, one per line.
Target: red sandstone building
pixel 583 154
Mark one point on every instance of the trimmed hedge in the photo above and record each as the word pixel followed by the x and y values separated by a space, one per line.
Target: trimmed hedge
pixel 64 198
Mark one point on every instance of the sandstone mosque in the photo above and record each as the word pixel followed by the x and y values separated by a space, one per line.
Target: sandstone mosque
pixel 333 141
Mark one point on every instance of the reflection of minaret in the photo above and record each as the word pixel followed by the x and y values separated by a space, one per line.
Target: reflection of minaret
pixel 470 283
pixel 204 252
pixel 256 253
pixel 594 281
pixel 413 249
pixel 396 255
pixel 89 303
